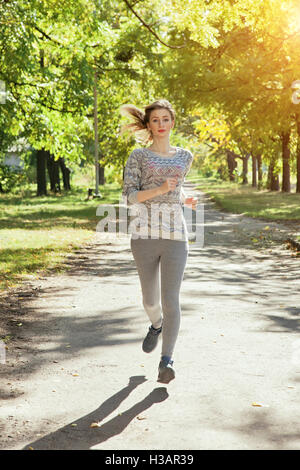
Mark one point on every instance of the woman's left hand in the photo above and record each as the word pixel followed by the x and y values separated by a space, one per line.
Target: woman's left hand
pixel 191 202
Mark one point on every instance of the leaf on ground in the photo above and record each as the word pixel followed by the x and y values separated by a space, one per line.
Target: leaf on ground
pixel 75 375
pixel 140 417
pixel 95 425
pixel 259 405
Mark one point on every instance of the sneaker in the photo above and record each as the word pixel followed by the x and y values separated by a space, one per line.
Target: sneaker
pixel 166 373
pixel 151 339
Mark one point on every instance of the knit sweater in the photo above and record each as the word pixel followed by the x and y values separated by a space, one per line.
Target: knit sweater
pixel 160 216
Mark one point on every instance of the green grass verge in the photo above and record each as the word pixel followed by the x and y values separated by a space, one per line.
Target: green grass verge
pixel 37 232
pixel 243 199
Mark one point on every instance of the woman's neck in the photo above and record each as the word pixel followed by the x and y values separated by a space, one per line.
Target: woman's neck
pixel 161 147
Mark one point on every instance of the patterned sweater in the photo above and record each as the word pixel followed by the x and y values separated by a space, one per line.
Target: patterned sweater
pixel 160 216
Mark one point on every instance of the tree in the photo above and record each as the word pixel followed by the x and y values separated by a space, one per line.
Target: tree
pixel 54 64
pixel 241 58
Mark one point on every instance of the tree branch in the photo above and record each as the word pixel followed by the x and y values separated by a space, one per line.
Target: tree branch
pixel 151 30
pixel 45 35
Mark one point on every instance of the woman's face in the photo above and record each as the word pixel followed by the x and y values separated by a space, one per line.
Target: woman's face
pixel 160 122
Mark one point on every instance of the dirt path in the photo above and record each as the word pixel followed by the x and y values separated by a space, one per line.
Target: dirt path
pixel 74 356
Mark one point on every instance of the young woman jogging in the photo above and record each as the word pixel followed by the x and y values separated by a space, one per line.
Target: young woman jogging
pixel 153 179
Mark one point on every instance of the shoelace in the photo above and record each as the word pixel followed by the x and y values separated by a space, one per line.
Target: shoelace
pixel 155 331
pixel 170 362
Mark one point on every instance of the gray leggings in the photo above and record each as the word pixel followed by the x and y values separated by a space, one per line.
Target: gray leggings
pixel 171 255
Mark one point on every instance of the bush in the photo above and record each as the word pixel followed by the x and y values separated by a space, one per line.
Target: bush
pixel 10 177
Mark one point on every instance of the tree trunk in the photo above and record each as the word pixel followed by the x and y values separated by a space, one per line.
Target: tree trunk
pixel 41 156
pixel 254 168
pixel 231 163
pixel 298 156
pixel 273 179
pixel 286 185
pixel 245 169
pixel 259 171
pixel 53 172
pixel 101 175
pixel 65 173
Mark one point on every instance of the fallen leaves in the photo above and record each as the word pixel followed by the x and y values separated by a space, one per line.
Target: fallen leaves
pixel 95 425
pixel 259 405
pixel 6 339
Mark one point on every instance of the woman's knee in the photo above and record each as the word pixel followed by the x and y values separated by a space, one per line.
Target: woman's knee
pixel 151 306
pixel 171 306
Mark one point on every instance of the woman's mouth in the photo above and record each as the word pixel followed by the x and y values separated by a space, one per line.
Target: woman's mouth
pixel 161 130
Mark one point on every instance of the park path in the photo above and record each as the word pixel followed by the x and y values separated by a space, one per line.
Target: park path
pixel 77 358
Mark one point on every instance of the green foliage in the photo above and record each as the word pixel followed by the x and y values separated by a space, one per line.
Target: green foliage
pixel 232 61
pixel 10 177
pixel 49 62
pixel 239 61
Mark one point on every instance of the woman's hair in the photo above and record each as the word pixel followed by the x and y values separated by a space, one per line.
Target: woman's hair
pixel 141 118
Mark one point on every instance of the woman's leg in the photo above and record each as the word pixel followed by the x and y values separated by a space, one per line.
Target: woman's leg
pixel 146 256
pixel 174 255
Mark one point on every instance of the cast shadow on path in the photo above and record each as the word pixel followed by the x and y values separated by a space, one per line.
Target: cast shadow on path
pixel 83 437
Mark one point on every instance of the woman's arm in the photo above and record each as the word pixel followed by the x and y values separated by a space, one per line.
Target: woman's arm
pixel 188 201
pixel 144 195
pixel 132 182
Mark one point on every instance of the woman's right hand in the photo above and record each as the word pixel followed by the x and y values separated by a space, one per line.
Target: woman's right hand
pixel 169 185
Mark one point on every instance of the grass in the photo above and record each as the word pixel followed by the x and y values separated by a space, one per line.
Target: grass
pixel 243 199
pixel 37 232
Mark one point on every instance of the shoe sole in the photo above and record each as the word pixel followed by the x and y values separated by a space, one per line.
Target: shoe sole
pixel 149 350
pixel 166 375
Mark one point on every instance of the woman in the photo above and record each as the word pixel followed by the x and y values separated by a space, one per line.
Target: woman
pixel 153 178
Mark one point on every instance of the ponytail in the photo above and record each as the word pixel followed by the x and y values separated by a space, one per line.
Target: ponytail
pixel 139 126
pixel 141 118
